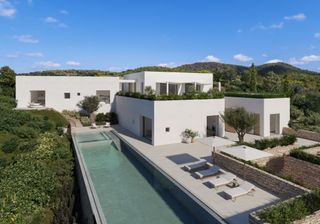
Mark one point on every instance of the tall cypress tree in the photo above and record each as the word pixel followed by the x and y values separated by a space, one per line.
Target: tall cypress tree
pixel 253 78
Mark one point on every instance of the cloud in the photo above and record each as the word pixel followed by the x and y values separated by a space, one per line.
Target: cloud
pixel 273 61
pixel 73 63
pixel 211 58
pixel 13 55
pixel 317 35
pixel 305 60
pixel 26 39
pixel 62 25
pixel 46 64
pixel 242 58
pixel 168 65
pixel 6 9
pixel 297 17
pixel 64 12
pixel 277 26
pixel 35 54
pixel 50 19
pixel 264 55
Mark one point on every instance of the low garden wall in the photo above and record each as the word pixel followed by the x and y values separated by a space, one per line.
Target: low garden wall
pixel 306 173
pixel 302 134
pixel 272 183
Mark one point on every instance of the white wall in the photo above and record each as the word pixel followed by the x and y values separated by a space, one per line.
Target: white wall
pixel 264 107
pixel 152 78
pixel 177 115
pixel 56 86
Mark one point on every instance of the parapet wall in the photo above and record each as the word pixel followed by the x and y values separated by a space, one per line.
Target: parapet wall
pixel 272 183
pixel 314 136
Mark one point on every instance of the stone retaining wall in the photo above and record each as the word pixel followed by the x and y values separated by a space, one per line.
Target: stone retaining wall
pixel 302 134
pixel 306 173
pixel 272 183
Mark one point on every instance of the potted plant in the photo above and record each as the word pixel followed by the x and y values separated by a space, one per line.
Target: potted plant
pixel 189 134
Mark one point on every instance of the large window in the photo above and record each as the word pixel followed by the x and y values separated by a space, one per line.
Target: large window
pixel 173 89
pixel 103 96
pixel 163 88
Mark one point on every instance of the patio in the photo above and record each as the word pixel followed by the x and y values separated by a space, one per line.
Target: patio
pixel 170 158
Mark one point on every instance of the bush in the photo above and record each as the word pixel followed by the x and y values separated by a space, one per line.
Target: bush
pixel 273 142
pixel 101 117
pixel 85 121
pixel 112 118
pixel 25 132
pixel 10 145
pixel 295 209
pixel 8 102
pixel 73 114
pixel 256 95
pixel 300 154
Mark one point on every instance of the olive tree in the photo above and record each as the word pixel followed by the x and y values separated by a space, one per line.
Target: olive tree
pixel 89 104
pixel 241 120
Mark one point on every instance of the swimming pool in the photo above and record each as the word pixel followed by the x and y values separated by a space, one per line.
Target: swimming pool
pixel 128 188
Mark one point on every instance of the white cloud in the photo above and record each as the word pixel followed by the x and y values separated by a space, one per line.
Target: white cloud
pixel 242 58
pixel 317 35
pixel 211 58
pixel 50 19
pixel 273 61
pixel 46 64
pixel 297 17
pixel 6 9
pixel 73 63
pixel 264 55
pixel 35 54
pixel 64 12
pixel 305 60
pixel 277 26
pixel 168 65
pixel 26 39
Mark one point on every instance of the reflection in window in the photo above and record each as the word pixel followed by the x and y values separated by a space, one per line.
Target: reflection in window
pixel 103 96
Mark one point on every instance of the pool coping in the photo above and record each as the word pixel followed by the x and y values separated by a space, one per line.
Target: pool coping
pixel 180 186
pixel 91 192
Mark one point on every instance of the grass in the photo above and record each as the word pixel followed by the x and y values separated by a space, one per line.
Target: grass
pixel 52 115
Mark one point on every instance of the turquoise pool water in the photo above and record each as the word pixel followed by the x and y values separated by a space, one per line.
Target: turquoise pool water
pixel 127 191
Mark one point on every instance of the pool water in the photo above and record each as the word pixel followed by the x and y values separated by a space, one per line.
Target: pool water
pixel 127 191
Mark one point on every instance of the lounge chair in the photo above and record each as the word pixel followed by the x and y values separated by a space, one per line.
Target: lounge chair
pixel 244 189
pixel 223 179
pixel 107 125
pixel 93 126
pixel 214 170
pixel 202 163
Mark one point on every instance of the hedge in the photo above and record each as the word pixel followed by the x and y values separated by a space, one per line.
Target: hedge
pixel 256 95
pixel 300 154
pixel 272 142
pixel 188 96
pixel 295 209
pixel 107 117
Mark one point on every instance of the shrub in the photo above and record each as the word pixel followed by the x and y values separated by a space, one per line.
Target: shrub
pixel 73 114
pixel 101 117
pixel 300 154
pixel 25 132
pixel 113 118
pixel 295 209
pixel 273 142
pixel 47 125
pixel 189 134
pixel 85 121
pixel 8 102
pixel 10 145
pixel 255 95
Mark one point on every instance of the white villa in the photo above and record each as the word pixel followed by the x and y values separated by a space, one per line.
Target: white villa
pixel 159 121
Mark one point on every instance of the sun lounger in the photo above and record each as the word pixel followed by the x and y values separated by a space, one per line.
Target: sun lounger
pixel 93 126
pixel 107 125
pixel 244 189
pixel 202 163
pixel 214 170
pixel 222 180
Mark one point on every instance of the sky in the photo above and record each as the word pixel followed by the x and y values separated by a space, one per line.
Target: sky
pixel 117 35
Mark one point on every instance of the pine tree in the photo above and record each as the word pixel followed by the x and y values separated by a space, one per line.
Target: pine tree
pixel 253 78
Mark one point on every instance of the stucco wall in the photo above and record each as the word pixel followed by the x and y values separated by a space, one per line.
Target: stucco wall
pixel 263 107
pixel 56 86
pixel 177 115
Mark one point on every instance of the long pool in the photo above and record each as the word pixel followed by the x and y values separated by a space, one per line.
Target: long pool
pixel 128 190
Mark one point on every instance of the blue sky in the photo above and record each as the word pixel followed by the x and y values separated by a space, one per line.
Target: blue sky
pixel 118 34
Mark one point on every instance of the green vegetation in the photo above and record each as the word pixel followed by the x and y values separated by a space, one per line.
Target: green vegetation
pixel 107 117
pixel 255 95
pixel 273 142
pixel 188 96
pixel 241 120
pixel 295 209
pixel 300 154
pixel 189 134
pixel 36 162
pixel 89 104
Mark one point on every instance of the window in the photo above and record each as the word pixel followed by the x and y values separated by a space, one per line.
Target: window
pixel 173 89
pixel 103 96
pixel 78 94
pixel 163 88
pixel 67 95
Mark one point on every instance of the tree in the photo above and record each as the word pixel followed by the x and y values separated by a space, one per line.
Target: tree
pixel 89 104
pixel 241 120
pixel 285 84
pixel 253 78
pixel 7 77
